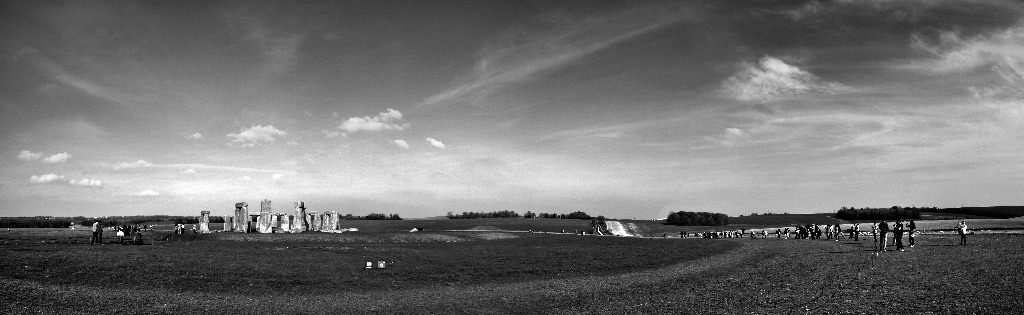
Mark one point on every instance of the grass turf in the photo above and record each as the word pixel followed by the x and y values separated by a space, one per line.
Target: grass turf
pixel 763 276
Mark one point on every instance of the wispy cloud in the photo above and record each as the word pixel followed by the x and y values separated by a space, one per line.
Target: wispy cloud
pixel 279 46
pixel 59 74
pixel 140 164
pixel 44 179
pixel 147 193
pixel 26 155
pixel 401 144
pixel 57 158
pixel 277 176
pixel 131 165
pixel 60 179
pixel 517 58
pixel 256 135
pixel 435 143
pixel 85 182
pixel 389 120
pixel 195 136
pixel 771 78
pixel 1001 53
pixel 332 133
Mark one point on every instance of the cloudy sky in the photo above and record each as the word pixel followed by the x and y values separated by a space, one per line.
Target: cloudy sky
pixel 623 109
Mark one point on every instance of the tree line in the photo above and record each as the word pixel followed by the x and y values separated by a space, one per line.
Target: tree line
pixel 64 222
pixel 506 214
pixel 868 214
pixel 483 215
pixel 686 218
pixel 372 216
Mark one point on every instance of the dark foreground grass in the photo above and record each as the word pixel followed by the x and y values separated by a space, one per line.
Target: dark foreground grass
pixel 575 275
pixel 325 267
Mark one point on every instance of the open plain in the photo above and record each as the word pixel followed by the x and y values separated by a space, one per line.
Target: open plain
pixel 492 271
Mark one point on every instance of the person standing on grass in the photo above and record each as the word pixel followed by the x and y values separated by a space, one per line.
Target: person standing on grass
pixel 883 229
pixel 911 228
pixel 897 232
pixel 874 233
pixel 97 233
pixel 961 228
pixel 856 232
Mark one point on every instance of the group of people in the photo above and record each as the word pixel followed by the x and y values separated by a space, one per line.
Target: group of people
pixel 879 233
pixel 129 234
pixel 97 233
pixel 126 234
pixel 898 229
pixel 180 228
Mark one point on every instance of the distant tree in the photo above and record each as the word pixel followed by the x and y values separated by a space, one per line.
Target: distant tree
pixel 698 218
pixel 674 219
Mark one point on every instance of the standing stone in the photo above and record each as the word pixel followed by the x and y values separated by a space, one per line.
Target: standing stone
pixel 325 221
pixel 229 223
pixel 314 222
pixel 299 224
pixel 242 217
pixel 204 221
pixel 263 223
pixel 285 222
pixel 335 221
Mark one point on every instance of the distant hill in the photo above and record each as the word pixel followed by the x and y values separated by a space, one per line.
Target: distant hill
pixel 777 220
pixel 999 212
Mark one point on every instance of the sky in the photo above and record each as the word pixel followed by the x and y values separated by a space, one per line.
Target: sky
pixel 627 109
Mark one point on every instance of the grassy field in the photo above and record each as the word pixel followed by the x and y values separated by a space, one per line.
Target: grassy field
pixel 322 263
pixel 45 271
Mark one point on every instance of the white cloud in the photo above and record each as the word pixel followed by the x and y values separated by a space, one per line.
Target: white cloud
pixel 1001 53
pixel 255 135
pixel 731 137
pixel 27 155
pixel 195 136
pixel 292 142
pixel 771 78
pixel 435 143
pixel 519 55
pixel 189 171
pixel 383 121
pixel 57 158
pixel 246 178
pixel 43 179
pixel 290 163
pixel 332 134
pixel 85 182
pixel 147 193
pixel 278 176
pixel 401 143
pixel 129 165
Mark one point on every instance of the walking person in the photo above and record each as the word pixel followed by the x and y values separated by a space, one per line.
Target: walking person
pixel 961 228
pixel 874 232
pixel 856 232
pixel 883 229
pixel 912 228
pixel 897 232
